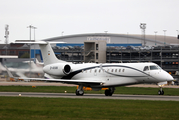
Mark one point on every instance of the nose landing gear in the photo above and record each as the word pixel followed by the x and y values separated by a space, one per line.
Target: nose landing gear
pixel 160 92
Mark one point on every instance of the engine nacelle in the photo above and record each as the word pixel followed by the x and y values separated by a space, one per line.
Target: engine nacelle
pixel 59 69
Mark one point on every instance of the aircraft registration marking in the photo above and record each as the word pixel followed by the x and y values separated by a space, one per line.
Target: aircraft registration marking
pixel 53 67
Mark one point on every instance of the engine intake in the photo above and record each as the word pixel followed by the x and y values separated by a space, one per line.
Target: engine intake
pixel 67 69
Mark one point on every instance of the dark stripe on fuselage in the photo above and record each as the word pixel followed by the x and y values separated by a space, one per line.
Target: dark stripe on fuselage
pixel 72 74
pixel 125 67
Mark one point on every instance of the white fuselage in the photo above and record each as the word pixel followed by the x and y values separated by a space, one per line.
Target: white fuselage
pixel 97 76
pixel 117 74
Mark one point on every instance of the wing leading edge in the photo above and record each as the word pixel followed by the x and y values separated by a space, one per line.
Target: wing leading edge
pixel 70 81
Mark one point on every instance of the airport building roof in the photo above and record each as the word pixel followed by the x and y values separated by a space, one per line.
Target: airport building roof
pixel 118 38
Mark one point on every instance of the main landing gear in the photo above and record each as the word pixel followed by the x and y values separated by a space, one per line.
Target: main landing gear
pixel 79 91
pixel 110 91
pixel 160 92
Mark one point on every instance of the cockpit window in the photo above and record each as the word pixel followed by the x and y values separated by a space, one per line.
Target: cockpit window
pixel 159 67
pixel 146 68
pixel 153 67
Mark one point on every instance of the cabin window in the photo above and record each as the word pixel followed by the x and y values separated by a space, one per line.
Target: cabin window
pixel 112 70
pixel 123 70
pixel 116 70
pixel 99 70
pixel 153 67
pixel 119 70
pixel 146 68
pixel 95 70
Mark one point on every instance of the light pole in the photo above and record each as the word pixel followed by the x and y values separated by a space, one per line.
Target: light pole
pixel 6 36
pixel 31 27
pixel 143 27
pixel 164 37
pixel 34 44
pixel 155 37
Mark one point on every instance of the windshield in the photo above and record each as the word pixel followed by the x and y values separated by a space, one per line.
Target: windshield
pixel 159 67
pixel 153 67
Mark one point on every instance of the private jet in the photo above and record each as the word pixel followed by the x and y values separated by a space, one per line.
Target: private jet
pixel 98 76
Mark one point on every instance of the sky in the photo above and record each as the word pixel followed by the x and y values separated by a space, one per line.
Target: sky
pixel 55 18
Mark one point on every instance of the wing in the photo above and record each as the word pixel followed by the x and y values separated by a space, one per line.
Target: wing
pixel 70 81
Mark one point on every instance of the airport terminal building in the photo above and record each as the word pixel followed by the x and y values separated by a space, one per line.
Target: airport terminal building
pixel 115 48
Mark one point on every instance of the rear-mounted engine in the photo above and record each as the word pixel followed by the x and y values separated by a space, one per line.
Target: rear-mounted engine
pixel 67 69
pixel 58 69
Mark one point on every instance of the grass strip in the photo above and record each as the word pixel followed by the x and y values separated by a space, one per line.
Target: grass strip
pixel 20 108
pixel 61 89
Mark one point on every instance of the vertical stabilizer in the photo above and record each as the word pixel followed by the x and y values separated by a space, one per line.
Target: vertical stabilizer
pixel 48 54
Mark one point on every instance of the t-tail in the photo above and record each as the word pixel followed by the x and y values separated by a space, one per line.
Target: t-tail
pixel 49 55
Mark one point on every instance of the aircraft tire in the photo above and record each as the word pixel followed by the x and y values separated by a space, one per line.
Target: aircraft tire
pixel 79 92
pixel 160 92
pixel 108 93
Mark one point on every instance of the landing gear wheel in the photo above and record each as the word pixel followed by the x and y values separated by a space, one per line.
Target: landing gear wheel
pixel 160 92
pixel 79 92
pixel 109 92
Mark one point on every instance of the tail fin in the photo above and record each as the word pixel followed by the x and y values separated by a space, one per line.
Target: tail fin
pixel 48 54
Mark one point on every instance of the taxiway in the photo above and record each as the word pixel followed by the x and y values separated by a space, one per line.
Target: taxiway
pixel 91 96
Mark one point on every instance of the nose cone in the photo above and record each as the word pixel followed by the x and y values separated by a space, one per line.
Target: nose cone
pixel 169 77
pixel 165 76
